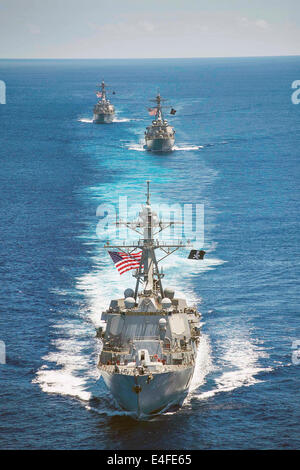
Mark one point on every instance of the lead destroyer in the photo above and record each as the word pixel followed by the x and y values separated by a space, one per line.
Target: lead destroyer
pixel 104 111
pixel 160 136
pixel 150 337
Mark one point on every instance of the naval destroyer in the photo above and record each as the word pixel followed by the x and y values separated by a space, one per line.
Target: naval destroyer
pixel 104 111
pixel 160 136
pixel 151 336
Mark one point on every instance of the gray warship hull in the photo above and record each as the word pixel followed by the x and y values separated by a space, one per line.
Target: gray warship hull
pixel 142 397
pixel 160 145
pixel 101 118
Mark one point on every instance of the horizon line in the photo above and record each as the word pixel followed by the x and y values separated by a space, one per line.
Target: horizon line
pixel 150 58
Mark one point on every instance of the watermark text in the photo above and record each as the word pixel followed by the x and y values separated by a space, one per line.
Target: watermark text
pixel 2 352
pixel 2 92
pixel 296 352
pixel 296 95
pixel 179 221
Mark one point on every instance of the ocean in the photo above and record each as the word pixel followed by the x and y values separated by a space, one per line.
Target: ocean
pixel 237 150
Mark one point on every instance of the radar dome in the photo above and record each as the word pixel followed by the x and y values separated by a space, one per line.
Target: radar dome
pixel 166 303
pixel 162 323
pixel 169 293
pixel 128 293
pixel 129 302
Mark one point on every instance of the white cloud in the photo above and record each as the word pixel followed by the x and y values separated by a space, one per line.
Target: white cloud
pixel 146 26
pixel 244 21
pixel 259 23
pixel 128 27
pixel 263 24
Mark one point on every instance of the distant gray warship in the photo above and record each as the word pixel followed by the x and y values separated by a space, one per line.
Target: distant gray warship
pixel 160 136
pixel 150 337
pixel 104 111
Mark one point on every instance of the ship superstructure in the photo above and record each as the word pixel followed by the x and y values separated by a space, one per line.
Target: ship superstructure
pixel 151 336
pixel 104 111
pixel 160 136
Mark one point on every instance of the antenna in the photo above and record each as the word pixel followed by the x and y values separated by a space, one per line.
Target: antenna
pixel 148 192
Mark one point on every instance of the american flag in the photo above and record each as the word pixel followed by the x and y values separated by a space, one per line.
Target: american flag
pixel 152 111
pixel 99 94
pixel 125 262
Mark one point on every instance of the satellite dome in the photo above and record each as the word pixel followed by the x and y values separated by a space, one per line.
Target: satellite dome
pixel 128 293
pixel 129 302
pixel 169 293
pixel 162 323
pixel 166 303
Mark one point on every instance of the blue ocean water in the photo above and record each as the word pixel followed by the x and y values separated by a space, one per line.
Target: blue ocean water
pixel 237 150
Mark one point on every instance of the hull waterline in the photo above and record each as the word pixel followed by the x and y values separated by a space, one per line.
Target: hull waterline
pixel 103 118
pixel 160 145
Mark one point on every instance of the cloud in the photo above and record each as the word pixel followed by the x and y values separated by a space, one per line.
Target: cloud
pixel 127 28
pixel 146 26
pixel 244 21
pixel 263 24
pixel 259 23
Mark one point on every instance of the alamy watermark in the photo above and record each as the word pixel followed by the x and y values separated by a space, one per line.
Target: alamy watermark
pixel 2 92
pixel 296 352
pixel 2 352
pixel 181 221
pixel 296 95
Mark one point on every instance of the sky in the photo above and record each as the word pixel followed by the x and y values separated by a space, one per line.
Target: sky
pixel 148 28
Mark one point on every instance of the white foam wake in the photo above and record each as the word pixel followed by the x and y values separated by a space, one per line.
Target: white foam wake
pixel 188 147
pixel 140 147
pixel 116 119
pixel 70 366
pixel 86 120
pixel 119 119
pixel 203 364
pixel 237 365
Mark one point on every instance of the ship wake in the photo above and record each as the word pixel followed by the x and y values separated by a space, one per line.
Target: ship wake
pixel 85 120
pixel 188 147
pixel 69 369
pixel 116 119
pixel 141 147
pixel 237 364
